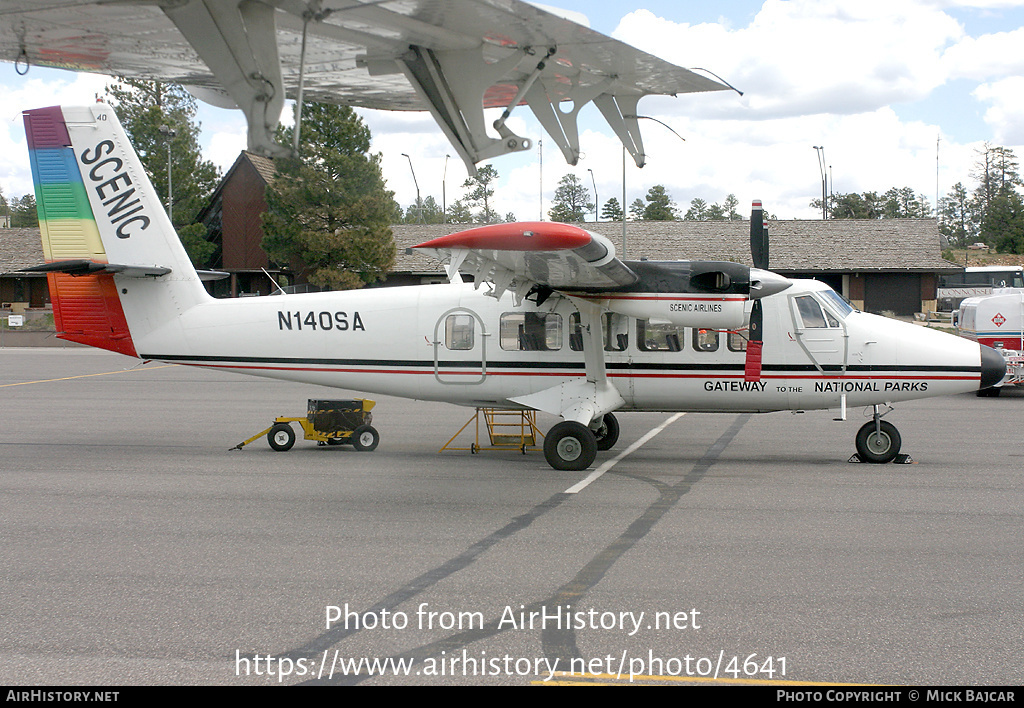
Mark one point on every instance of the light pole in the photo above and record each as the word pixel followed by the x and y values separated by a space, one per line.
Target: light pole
pixel 444 187
pixel 169 134
pixel 596 200
pixel 419 204
pixel 624 175
pixel 820 152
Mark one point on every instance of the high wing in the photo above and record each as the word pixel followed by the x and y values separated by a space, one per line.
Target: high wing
pixel 523 255
pixel 452 57
pixel 544 257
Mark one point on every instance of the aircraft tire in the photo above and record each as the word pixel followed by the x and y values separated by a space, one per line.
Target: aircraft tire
pixel 880 447
pixel 607 432
pixel 570 446
pixel 365 438
pixel 281 437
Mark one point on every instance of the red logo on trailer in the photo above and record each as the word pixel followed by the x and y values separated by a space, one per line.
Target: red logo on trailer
pixel 998 320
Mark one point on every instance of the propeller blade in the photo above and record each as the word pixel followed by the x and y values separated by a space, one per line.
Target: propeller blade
pixel 752 364
pixel 758 236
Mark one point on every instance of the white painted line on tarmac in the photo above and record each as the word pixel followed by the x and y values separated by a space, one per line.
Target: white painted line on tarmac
pixel 582 484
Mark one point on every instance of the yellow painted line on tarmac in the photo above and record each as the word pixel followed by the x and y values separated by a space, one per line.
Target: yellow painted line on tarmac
pixel 82 376
pixel 564 678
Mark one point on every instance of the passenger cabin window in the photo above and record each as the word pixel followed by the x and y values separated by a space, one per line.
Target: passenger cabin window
pixel 705 340
pixel 659 337
pixel 811 314
pixel 458 332
pixel 531 331
pixel 614 328
pixel 736 341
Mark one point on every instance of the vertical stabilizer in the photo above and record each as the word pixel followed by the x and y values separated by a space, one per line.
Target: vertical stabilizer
pixel 96 205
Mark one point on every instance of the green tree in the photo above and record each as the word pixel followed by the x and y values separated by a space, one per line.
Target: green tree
pixel 459 213
pixel 23 211
pixel 660 206
pixel 698 210
pixel 612 210
pixel 1004 223
pixel 431 212
pixel 157 116
pixel 571 202
pixel 730 207
pixel 636 209
pixel 329 208
pixel 481 189
pixel 853 206
pixel 957 221
pixel 996 197
pixel 904 204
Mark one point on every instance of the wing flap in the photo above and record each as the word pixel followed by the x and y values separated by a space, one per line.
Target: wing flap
pixel 489 53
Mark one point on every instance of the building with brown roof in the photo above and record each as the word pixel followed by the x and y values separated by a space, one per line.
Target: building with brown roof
pixel 232 219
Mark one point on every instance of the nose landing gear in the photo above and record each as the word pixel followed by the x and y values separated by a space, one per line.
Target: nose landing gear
pixel 878 441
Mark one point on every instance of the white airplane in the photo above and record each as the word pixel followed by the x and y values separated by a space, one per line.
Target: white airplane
pixel 553 322
pixel 455 58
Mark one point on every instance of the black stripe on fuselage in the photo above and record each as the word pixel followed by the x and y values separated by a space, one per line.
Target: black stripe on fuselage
pixel 544 365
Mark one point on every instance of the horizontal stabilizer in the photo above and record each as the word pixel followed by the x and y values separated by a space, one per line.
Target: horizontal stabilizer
pixel 83 267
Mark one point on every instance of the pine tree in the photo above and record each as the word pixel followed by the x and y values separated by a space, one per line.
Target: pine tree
pixel 636 209
pixel 612 211
pixel 659 205
pixel 157 116
pixel 571 200
pixel 481 190
pixel 329 209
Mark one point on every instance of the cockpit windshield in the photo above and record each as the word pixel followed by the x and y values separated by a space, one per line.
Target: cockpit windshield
pixel 837 301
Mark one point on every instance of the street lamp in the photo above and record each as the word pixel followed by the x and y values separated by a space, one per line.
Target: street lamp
pixel 596 200
pixel 820 151
pixel 444 186
pixel 624 174
pixel 419 204
pixel 169 134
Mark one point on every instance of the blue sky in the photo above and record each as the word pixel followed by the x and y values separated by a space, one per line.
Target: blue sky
pixel 876 82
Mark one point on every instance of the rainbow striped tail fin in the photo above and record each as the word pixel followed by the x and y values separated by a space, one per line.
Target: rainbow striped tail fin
pixel 105 234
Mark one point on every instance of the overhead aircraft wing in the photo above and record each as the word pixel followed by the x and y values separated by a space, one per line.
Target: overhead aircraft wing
pixel 452 57
pixel 520 255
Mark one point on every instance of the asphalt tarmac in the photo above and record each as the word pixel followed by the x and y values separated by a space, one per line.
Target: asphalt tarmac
pixel 137 549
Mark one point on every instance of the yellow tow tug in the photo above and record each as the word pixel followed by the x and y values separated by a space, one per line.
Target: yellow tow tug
pixel 327 422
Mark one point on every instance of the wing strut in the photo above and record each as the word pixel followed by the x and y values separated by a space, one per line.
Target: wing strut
pixel 239 45
pixel 581 400
pixel 457 105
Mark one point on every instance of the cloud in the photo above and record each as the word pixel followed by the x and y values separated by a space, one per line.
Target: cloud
pixel 1006 114
pixel 986 56
pixel 803 57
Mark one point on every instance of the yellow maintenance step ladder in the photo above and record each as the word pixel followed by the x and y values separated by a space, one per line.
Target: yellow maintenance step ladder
pixel 506 430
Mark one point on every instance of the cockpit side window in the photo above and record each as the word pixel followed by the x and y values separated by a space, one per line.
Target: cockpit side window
pixel 810 312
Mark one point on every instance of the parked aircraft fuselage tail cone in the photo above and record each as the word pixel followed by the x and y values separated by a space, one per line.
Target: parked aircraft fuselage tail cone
pixel 554 322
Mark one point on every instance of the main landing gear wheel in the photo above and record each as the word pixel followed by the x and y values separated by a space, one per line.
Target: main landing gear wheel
pixel 281 437
pixel 365 438
pixel 879 446
pixel 607 432
pixel 570 446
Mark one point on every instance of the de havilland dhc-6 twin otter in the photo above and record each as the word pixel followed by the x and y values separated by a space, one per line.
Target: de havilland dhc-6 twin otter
pixel 553 320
